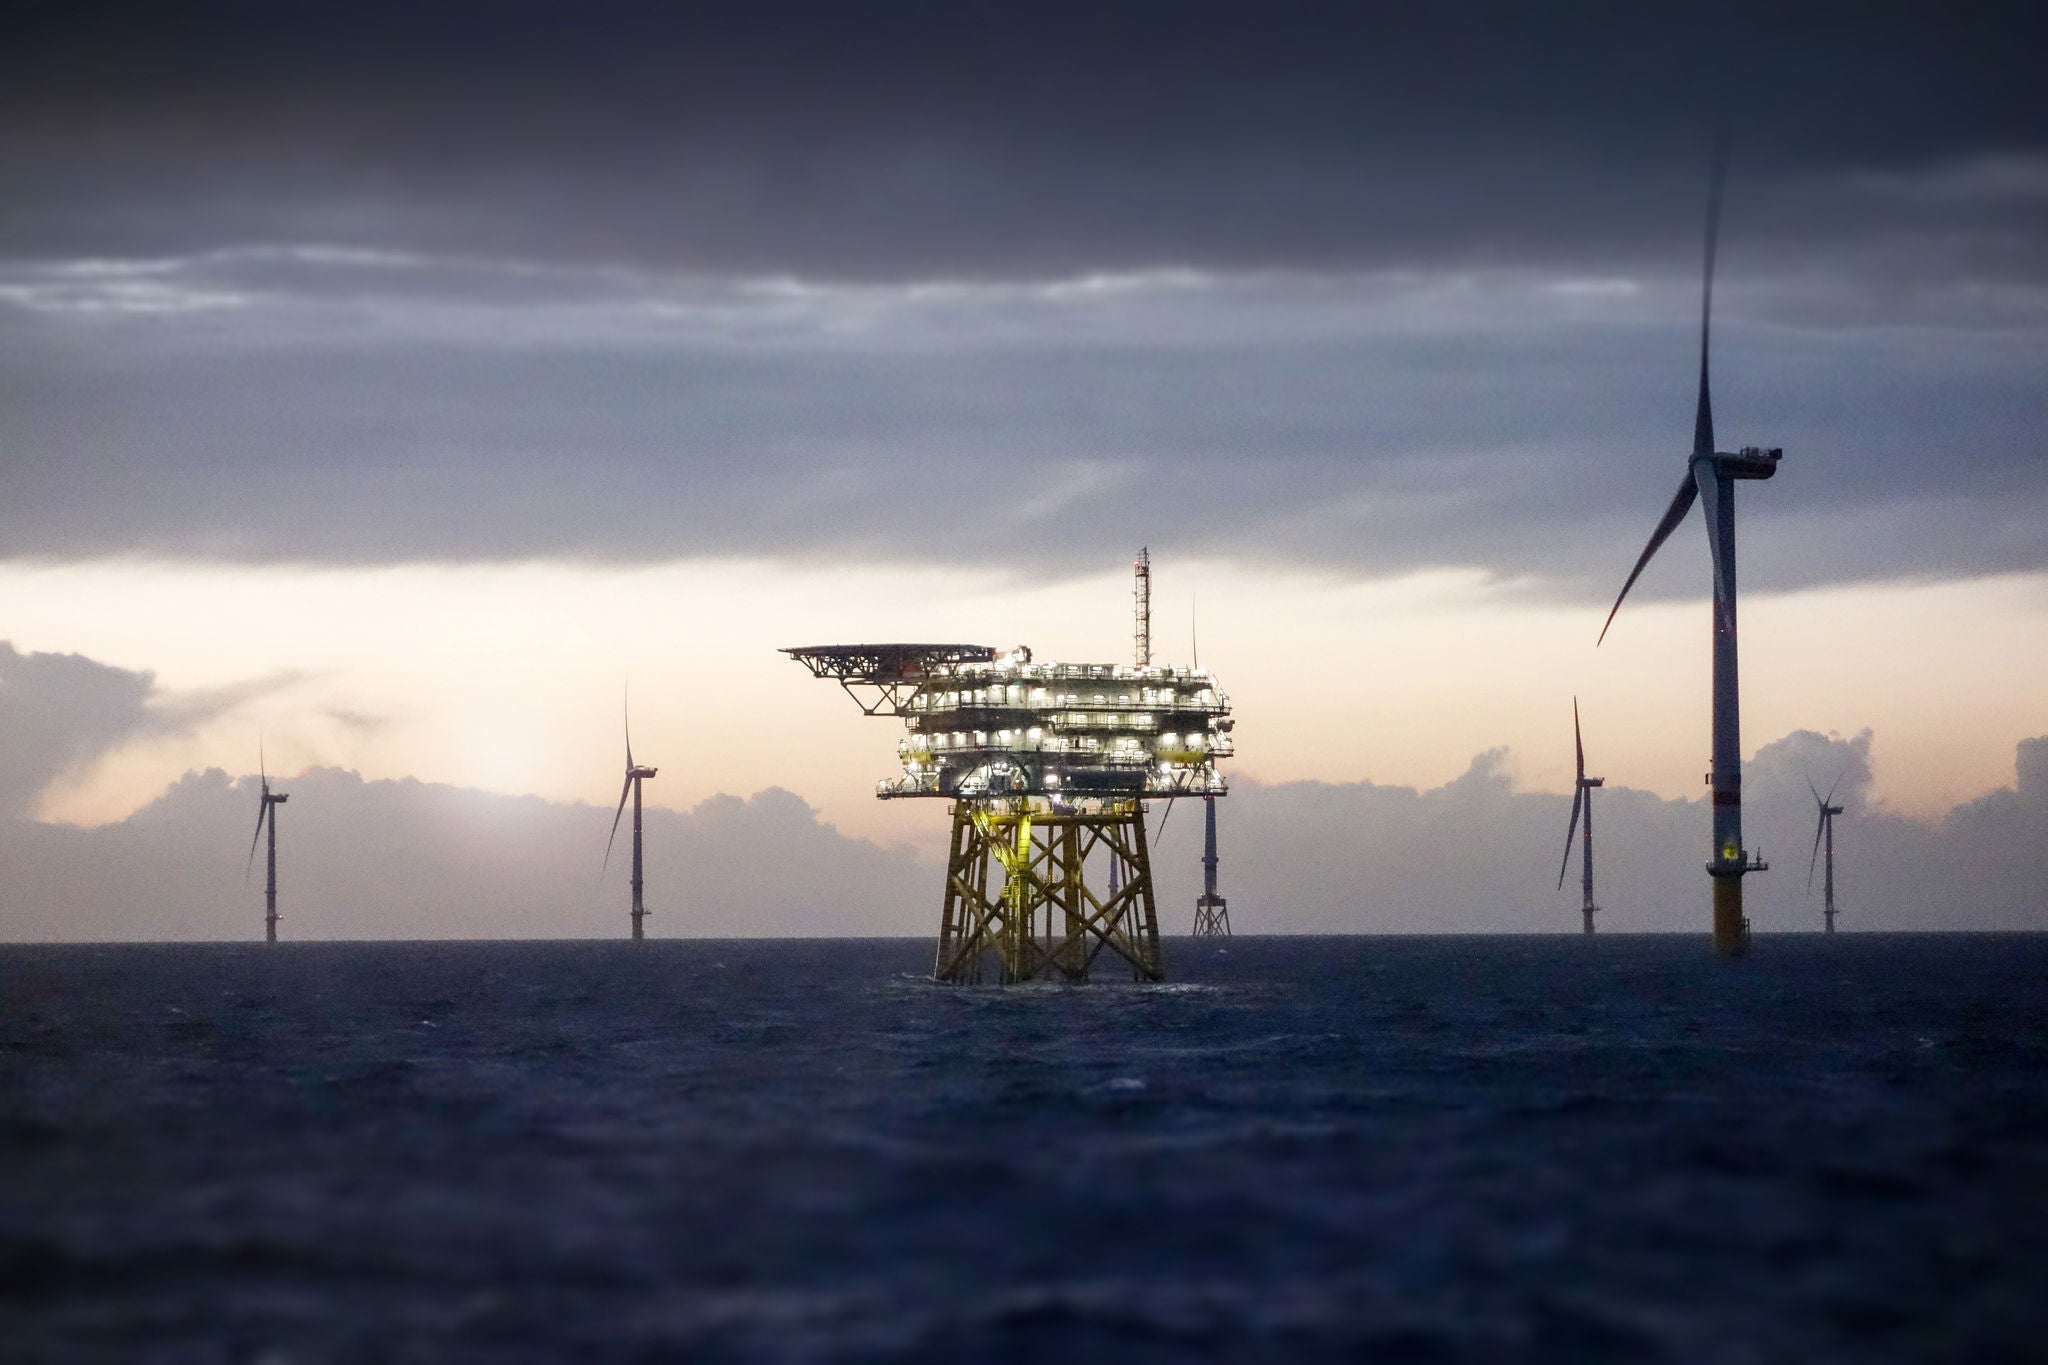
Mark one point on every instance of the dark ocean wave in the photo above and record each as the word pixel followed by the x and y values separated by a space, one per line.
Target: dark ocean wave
pixel 1365 1149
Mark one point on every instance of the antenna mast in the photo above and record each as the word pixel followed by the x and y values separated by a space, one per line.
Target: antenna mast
pixel 1141 638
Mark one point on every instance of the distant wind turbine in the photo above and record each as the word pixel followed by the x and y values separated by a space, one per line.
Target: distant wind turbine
pixel 1582 794
pixel 1710 478
pixel 635 774
pixel 267 815
pixel 1825 829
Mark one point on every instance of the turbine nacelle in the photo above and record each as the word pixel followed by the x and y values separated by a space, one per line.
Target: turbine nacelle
pixel 1750 462
pixel 266 803
pixel 636 773
pixel 1581 784
pixel 1828 812
pixel 1703 484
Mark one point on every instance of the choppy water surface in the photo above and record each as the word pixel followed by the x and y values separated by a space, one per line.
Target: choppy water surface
pixel 1387 1149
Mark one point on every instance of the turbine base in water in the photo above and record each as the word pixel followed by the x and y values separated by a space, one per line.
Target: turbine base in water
pixel 1731 926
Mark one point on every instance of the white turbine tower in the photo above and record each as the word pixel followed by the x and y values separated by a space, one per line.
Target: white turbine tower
pixel 266 817
pixel 1582 794
pixel 636 773
pixel 1828 811
pixel 1710 479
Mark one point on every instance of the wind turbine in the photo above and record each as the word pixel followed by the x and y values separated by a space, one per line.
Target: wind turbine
pixel 1582 794
pixel 635 774
pixel 267 815
pixel 1710 479
pixel 1825 829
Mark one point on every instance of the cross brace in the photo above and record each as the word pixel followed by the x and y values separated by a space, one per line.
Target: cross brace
pixel 1044 918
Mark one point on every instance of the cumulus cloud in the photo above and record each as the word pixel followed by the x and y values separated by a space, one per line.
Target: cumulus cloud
pixel 1479 856
pixel 61 712
pixel 58 712
pixel 408 859
pixel 1995 849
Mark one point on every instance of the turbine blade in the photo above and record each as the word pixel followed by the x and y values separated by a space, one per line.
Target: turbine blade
pixel 257 838
pixel 1578 743
pixel 1837 785
pixel 1167 815
pixel 1703 418
pixel 262 765
pixel 624 792
pixel 1578 798
pixel 629 731
pixel 1675 513
pixel 1724 574
pixel 1810 862
pixel 1815 790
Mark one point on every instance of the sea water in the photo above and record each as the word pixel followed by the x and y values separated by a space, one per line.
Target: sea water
pixel 1393 1149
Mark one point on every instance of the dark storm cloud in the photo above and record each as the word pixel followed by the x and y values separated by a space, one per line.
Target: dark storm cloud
pixel 58 712
pixel 345 406
pixel 1367 287
pixel 1022 140
pixel 61 712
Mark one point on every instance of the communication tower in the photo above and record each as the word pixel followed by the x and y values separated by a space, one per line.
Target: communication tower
pixel 1141 593
pixel 1048 767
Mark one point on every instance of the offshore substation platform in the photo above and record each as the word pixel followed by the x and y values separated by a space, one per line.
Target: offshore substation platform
pixel 1048 767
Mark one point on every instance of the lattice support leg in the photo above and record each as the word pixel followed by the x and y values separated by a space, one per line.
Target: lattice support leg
pixel 1044 917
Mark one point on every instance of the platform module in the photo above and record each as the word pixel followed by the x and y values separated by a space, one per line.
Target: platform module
pixel 1049 766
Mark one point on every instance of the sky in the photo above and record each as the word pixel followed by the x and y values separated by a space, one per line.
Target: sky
pixel 397 387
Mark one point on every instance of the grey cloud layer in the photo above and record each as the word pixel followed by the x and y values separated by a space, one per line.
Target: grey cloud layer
pixel 1365 287
pixel 57 712
pixel 60 712
pixel 334 405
